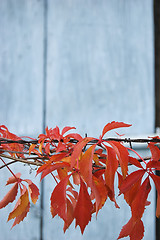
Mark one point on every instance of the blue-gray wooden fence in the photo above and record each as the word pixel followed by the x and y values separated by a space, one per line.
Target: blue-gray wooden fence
pixel 81 63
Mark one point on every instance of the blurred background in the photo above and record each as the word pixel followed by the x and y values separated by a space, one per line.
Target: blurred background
pixel 79 63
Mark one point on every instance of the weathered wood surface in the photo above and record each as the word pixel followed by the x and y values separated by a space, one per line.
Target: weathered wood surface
pixel 99 69
pixel 21 76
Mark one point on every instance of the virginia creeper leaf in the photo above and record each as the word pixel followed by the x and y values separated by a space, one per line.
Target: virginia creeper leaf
pixel 85 165
pixel 83 207
pixel 139 203
pixel 114 125
pixel 78 149
pixel 153 164
pixel 100 192
pixel 111 168
pixel 130 180
pixel 58 199
pixel 135 162
pixel 21 206
pixel 20 218
pixel 13 179
pixel 66 129
pixel 122 154
pixel 154 151
pixel 70 211
pixel 10 196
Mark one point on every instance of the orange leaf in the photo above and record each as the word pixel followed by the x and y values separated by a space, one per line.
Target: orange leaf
pixel 85 165
pixel 76 178
pixel 78 150
pixel 58 199
pixel 139 203
pixel 34 192
pixel 114 125
pixel 31 148
pixel 10 196
pixel 83 208
pixel 130 180
pixel 21 205
pixel 20 218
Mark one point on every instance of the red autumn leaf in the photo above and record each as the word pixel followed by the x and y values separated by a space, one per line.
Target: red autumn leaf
pixel 10 196
pixel 76 178
pixel 153 164
pixel 47 148
pixel 135 230
pixel 21 205
pixel 58 199
pixel 154 151
pixel 51 168
pixel 156 180
pixel 70 217
pixel 85 165
pixel 75 136
pixel 100 192
pixel 130 180
pixel 126 229
pixel 135 162
pixel 131 193
pixel 13 179
pixel 61 147
pixel 33 190
pixel 111 168
pixel 114 125
pixel 139 203
pixel 66 129
pixel 122 154
pixel 78 150
pixel 83 208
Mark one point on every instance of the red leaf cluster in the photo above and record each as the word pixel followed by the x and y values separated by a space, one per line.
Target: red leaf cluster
pixel 84 170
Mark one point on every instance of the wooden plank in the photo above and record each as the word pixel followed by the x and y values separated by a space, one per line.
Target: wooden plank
pixel 100 69
pixel 21 78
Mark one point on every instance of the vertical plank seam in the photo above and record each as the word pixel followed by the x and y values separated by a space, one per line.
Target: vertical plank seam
pixel 156 5
pixel 44 91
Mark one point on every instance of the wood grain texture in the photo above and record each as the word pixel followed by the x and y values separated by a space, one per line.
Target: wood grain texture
pixel 21 76
pixel 100 65
pixel 100 68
